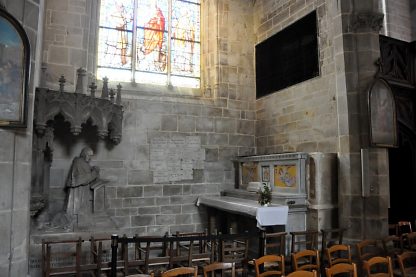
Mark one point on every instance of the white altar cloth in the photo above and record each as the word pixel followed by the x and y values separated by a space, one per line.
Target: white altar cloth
pixel 265 216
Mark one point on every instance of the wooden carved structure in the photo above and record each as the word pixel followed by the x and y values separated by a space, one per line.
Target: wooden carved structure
pixel 398 68
pixel 77 108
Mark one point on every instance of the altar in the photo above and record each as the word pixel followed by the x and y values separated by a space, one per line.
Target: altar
pixel 265 216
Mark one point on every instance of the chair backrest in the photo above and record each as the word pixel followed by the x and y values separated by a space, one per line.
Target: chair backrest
pixel 181 271
pixel 331 237
pixel 409 241
pixel 235 251
pixel 338 253
pixel 275 243
pixel 407 262
pixel 341 268
pixel 211 269
pixel 404 227
pixel 302 240
pixel 378 267
pixel 306 260
pixel 302 273
pixel 278 260
pixel 367 249
pixel 392 245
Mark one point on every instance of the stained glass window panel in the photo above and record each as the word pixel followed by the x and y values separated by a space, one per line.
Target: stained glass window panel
pixel 151 78
pixel 114 51
pixel 115 34
pixel 166 41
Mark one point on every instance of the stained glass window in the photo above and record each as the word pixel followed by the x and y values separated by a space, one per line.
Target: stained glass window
pixel 150 41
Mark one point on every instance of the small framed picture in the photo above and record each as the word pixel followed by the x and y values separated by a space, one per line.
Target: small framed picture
pixel 265 173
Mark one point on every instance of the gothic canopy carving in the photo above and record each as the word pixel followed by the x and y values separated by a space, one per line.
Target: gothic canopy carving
pixel 77 108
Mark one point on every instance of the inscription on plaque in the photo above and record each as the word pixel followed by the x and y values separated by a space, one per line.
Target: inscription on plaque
pixel 174 159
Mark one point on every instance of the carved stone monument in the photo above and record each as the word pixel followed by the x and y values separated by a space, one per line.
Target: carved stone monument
pixel 84 207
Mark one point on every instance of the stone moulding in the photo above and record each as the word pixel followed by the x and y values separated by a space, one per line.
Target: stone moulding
pixel 77 109
pixel 373 20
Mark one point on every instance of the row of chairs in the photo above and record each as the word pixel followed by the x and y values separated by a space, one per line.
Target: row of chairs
pixel 142 254
pixel 209 270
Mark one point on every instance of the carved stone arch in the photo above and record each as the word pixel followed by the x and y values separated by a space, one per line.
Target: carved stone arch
pixel 77 109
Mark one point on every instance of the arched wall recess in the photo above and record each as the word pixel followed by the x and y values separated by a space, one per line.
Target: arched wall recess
pixel 76 108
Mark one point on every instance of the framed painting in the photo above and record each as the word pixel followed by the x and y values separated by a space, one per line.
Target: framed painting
pixel 382 114
pixel 286 177
pixel 265 173
pixel 14 71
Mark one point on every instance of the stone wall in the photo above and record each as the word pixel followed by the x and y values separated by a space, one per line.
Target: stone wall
pixel 69 40
pixel 399 19
pixel 222 115
pixel 15 158
pixel 302 117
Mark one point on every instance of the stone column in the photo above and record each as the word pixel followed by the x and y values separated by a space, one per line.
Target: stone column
pixel 359 29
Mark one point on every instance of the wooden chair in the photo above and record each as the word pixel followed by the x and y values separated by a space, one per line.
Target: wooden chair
pixel 306 260
pixel 342 269
pixel 211 269
pixel 277 267
pixel 339 253
pixel 404 227
pixel 303 273
pixel 331 237
pixel 235 251
pixel 392 245
pixel 67 250
pixel 302 240
pixel 409 241
pixel 367 249
pixel 378 267
pixel 407 263
pixel 154 253
pixel 274 243
pixel 195 251
pixel 181 271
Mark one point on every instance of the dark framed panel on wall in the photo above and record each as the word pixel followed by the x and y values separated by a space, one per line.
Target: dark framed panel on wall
pixel 382 114
pixel 14 71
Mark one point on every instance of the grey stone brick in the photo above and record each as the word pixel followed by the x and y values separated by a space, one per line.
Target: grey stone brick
pixel 153 190
pixel 170 190
pixel 115 203
pixel 198 189
pixel 211 154
pixel 165 220
pixel 217 139
pixel 245 127
pixel 242 140
pixel 186 124
pixel 169 123
pixel 189 209
pixel 157 230
pixel 182 228
pixel 138 177
pixel 171 209
pixel 126 211
pixel 143 220
pixel 225 125
pixel 6 186
pixel 149 210
pixel 121 221
pixel 138 202
pixel 126 192
pixel 183 219
pixel 204 124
